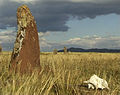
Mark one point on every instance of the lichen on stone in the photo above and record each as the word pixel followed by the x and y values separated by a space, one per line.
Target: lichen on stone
pixel 19 41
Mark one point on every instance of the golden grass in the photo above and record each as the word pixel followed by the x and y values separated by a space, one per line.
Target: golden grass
pixel 62 74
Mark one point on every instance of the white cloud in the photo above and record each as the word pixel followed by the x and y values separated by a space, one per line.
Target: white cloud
pixel 44 45
pixel 83 42
pixel 42 34
pixel 89 42
pixel 94 1
pixel 82 0
pixel 96 42
pixel 7 36
pixel 25 1
pixel 7 39
pixel 74 39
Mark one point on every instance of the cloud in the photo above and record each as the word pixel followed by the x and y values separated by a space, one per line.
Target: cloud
pixel 24 1
pixel 44 45
pixel 7 39
pixel 87 42
pixel 7 36
pixel 96 42
pixel 52 15
pixel 42 34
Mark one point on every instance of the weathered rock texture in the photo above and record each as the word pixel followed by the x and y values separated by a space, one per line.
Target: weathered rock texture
pixel 26 52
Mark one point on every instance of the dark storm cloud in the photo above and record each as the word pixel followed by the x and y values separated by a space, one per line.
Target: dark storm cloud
pixel 52 15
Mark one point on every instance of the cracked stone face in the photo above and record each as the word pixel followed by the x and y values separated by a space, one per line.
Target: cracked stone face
pixel 26 50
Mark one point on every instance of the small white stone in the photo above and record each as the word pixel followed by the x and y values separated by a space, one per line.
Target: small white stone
pixel 95 82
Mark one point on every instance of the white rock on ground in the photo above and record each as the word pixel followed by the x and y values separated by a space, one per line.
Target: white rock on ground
pixel 96 83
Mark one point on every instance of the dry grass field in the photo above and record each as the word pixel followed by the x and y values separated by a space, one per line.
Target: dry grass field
pixel 62 74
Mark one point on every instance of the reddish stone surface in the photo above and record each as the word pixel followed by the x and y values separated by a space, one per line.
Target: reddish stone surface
pixel 26 53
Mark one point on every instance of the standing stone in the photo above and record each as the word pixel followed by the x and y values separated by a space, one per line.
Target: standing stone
pixel 55 51
pixel 26 52
pixel 65 50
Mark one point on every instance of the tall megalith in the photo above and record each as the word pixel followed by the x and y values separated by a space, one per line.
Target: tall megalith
pixel 26 53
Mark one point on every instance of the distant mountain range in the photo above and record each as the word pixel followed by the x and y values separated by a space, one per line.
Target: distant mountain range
pixel 104 50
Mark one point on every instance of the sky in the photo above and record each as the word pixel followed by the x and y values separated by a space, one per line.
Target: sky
pixel 70 23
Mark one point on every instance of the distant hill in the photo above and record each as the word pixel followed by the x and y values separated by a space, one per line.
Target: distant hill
pixel 104 50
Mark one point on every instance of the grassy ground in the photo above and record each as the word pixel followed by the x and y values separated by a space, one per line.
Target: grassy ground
pixel 63 74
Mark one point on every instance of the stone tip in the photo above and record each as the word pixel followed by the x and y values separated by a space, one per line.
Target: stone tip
pixel 23 7
pixel 23 12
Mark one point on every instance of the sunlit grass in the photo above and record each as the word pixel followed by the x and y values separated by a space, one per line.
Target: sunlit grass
pixel 62 74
